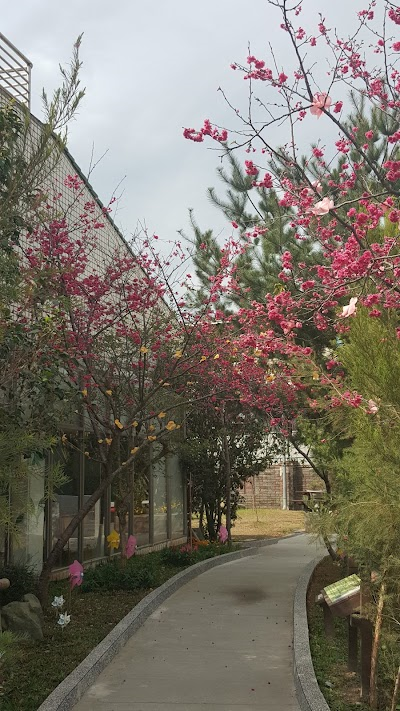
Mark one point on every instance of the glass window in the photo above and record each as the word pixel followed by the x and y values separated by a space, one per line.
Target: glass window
pixel 177 493
pixel 158 469
pixel 141 499
pixel 64 503
pixel 93 523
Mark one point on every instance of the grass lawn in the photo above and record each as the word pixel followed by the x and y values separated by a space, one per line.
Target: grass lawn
pixel 266 523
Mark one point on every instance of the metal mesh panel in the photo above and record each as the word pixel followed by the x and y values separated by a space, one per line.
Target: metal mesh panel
pixel 15 72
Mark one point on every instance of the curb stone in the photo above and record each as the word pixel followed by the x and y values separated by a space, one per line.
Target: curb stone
pixel 68 693
pixel 309 695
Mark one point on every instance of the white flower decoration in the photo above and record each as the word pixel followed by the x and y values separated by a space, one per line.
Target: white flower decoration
pixel 64 619
pixel 58 601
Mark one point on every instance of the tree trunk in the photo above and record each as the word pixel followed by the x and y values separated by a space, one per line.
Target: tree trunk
pixel 329 548
pixel 201 519
pixel 210 522
pixel 396 691
pixel 373 685
pixel 255 507
pixel 122 513
pixel 228 482
pixel 319 472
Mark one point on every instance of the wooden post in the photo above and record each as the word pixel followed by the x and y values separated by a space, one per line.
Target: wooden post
pixel 328 620
pixel 365 627
pixel 329 624
pixel 352 646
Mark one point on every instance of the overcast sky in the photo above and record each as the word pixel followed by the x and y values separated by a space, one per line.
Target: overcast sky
pixel 151 68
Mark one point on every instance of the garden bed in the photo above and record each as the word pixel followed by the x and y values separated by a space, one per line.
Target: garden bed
pixel 340 687
pixel 37 668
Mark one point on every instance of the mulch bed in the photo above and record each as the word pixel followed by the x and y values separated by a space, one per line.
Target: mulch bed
pixel 39 667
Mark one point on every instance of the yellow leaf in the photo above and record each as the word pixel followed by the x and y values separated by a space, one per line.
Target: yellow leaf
pixel 161 415
pixel 151 428
pixel 257 352
pixel 108 392
pixel 144 349
pixel 100 441
pixel 278 288
pixel 178 354
pixel 84 392
pixel 134 450
pixel 87 454
pixel 135 423
pixel 315 375
pixel 119 424
pixel 190 382
pixel 166 385
pixel 64 439
pixel 216 356
pixel 108 440
pixel 270 378
pixel 170 426
pixel 151 438
pixel 203 358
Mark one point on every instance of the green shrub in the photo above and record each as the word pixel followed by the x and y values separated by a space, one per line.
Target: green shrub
pixel 22 580
pixel 146 571
pixel 182 556
pixel 138 574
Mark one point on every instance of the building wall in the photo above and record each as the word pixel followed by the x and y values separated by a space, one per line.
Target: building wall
pixel 160 515
pixel 266 489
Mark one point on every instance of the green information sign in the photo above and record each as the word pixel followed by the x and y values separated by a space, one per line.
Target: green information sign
pixel 337 592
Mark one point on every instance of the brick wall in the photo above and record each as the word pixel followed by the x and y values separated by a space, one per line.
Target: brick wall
pixel 265 490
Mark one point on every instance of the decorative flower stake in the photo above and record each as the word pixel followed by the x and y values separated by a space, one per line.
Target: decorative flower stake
pixel 58 602
pixel 113 540
pixel 222 534
pixel 64 620
pixel 131 546
pixel 75 573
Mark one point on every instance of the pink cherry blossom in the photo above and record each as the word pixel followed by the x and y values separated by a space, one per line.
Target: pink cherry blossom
pixel 317 186
pixel 320 102
pixel 322 207
pixel 350 308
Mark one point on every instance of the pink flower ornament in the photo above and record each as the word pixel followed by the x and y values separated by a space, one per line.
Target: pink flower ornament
pixel 131 546
pixel 222 534
pixel 322 207
pixel 75 573
pixel 350 308
pixel 320 101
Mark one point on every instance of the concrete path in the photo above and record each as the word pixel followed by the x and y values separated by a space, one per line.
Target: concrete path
pixel 222 642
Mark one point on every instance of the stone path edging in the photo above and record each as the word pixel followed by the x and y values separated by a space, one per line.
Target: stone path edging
pixel 309 695
pixel 67 694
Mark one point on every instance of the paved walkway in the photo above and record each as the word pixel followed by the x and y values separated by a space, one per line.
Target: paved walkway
pixel 222 642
